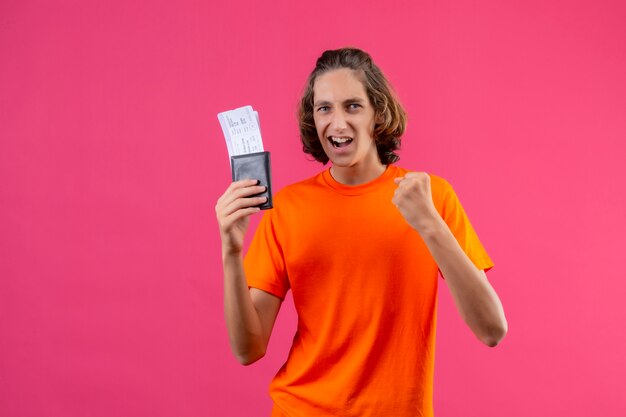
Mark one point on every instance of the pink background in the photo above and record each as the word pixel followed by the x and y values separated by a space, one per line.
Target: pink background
pixel 111 161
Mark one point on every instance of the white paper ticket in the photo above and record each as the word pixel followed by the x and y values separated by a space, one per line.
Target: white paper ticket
pixel 241 130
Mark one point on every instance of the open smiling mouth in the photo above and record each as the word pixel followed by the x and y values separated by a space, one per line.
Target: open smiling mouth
pixel 340 142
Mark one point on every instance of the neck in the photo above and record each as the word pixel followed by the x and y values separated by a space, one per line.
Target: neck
pixel 356 175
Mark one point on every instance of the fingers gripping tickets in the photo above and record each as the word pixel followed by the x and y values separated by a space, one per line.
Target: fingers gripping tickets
pixel 248 159
pixel 233 209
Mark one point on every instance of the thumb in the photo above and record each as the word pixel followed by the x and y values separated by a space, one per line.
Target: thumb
pixel 398 180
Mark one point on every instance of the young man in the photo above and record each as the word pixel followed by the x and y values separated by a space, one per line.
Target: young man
pixel 360 246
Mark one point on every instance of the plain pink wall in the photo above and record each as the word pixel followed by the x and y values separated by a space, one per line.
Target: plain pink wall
pixel 111 160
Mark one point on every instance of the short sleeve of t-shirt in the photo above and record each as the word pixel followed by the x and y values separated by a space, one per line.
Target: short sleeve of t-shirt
pixel 454 215
pixel 264 263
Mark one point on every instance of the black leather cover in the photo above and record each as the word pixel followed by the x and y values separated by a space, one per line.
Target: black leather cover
pixel 255 166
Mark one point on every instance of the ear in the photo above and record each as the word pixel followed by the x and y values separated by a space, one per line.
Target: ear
pixel 379 119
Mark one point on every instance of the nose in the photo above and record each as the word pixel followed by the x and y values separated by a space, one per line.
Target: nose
pixel 338 121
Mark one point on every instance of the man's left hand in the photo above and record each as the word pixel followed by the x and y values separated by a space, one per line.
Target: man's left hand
pixel 414 200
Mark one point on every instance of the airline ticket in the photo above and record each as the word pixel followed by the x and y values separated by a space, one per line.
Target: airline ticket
pixel 241 130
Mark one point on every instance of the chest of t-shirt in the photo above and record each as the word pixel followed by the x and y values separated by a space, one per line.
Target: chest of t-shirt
pixel 359 251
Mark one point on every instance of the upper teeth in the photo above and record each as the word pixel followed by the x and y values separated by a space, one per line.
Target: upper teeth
pixel 340 140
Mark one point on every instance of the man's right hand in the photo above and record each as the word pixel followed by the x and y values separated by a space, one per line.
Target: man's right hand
pixel 250 312
pixel 233 210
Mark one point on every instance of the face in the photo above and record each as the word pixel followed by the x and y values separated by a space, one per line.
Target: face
pixel 344 120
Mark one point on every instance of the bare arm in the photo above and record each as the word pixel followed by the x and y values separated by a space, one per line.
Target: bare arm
pixel 250 313
pixel 474 297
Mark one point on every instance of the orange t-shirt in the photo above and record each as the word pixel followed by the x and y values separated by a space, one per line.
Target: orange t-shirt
pixel 364 286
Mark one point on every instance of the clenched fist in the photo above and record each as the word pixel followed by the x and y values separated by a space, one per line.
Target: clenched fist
pixel 414 200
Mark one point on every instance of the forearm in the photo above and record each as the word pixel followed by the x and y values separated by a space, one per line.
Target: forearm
pixel 245 330
pixel 474 297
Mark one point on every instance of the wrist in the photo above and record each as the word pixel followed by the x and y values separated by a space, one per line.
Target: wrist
pixel 230 251
pixel 430 226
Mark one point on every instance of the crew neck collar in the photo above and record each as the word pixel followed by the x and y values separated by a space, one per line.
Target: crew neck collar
pixel 388 174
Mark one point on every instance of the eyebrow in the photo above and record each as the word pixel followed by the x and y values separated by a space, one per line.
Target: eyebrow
pixel 349 100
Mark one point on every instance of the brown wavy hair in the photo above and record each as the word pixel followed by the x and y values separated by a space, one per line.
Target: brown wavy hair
pixel 389 115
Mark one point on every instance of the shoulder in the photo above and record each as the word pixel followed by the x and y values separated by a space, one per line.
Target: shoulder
pixel 439 184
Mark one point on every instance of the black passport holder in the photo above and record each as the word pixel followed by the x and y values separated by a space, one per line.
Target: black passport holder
pixel 255 166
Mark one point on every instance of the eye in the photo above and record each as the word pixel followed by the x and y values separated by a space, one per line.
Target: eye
pixel 322 109
pixel 354 106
